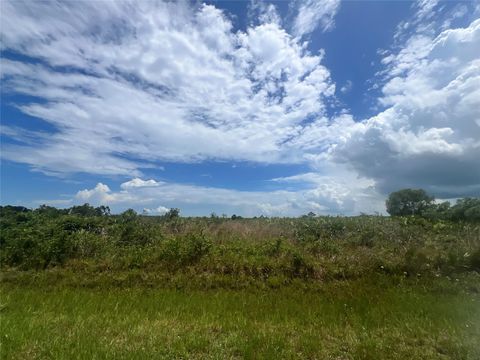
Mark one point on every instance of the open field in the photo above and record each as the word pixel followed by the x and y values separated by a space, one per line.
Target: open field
pixel 127 286
pixel 375 319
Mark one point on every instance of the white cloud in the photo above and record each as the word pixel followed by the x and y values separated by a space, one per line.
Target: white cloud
pixel 101 193
pixel 425 8
pixel 347 87
pixel 160 210
pixel 135 183
pixel 428 136
pixel 156 81
pixel 321 194
pixel 260 12
pixel 313 14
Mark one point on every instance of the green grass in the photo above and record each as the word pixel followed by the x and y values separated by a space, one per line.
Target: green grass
pixel 359 319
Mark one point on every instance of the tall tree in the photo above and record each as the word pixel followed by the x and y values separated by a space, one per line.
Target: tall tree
pixel 408 202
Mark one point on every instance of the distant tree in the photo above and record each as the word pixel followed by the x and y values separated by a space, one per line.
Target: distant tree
pixel 473 213
pixel 173 213
pixel 14 209
pixel 235 217
pixel 102 210
pixel 128 215
pixel 311 214
pixel 466 209
pixel 408 202
pixel 83 210
pixel 439 211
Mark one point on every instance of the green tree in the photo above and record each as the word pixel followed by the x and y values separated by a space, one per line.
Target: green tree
pixel 83 210
pixel 128 215
pixel 172 214
pixel 408 202
pixel 466 209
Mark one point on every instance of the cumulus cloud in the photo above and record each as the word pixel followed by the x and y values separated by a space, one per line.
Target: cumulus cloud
pixel 101 193
pixel 323 194
pixel 156 81
pixel 429 135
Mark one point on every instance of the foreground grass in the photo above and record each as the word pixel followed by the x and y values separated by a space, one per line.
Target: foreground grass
pixel 361 319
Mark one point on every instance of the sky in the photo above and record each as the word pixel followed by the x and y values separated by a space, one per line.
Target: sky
pixel 238 107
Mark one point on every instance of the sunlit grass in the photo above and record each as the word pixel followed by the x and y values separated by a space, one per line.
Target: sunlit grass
pixel 337 320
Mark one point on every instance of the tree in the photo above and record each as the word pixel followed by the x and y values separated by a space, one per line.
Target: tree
pixel 128 215
pixel 172 214
pixel 408 202
pixel 439 211
pixel 102 210
pixel 49 211
pixel 83 210
pixel 466 209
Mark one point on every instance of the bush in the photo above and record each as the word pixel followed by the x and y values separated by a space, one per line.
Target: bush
pixel 475 260
pixel 300 266
pixel 87 245
pixel 185 250
pixel 415 262
pixel 315 229
pixel 134 233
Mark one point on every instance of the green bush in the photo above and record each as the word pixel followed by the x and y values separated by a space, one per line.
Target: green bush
pixel 186 249
pixel 88 245
pixel 310 247
pixel 416 261
pixel 475 260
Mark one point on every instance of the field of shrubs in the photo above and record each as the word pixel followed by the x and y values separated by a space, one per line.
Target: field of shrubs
pixel 235 251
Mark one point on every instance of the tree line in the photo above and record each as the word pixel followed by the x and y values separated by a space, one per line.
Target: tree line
pixel 405 202
pixel 417 202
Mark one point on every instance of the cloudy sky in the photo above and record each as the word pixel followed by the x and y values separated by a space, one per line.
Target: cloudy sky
pixel 274 108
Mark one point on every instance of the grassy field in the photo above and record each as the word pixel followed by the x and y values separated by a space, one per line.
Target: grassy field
pixel 374 319
pixel 123 287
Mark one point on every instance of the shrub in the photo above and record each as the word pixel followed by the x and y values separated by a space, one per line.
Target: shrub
pixel 475 260
pixel 86 244
pixel 300 266
pixel 415 261
pixel 185 250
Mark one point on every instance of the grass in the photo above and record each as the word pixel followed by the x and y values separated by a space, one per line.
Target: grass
pixel 358 319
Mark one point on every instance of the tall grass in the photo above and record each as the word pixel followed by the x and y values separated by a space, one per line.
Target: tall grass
pixel 273 250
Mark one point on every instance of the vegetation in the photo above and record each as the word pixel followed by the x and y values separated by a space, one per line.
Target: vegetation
pixel 360 319
pixel 417 202
pixel 88 239
pixel 408 202
pixel 83 283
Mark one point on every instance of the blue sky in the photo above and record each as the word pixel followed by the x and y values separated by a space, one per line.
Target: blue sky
pixel 273 108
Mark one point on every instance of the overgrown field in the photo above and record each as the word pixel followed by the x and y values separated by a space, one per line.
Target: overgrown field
pixel 129 286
